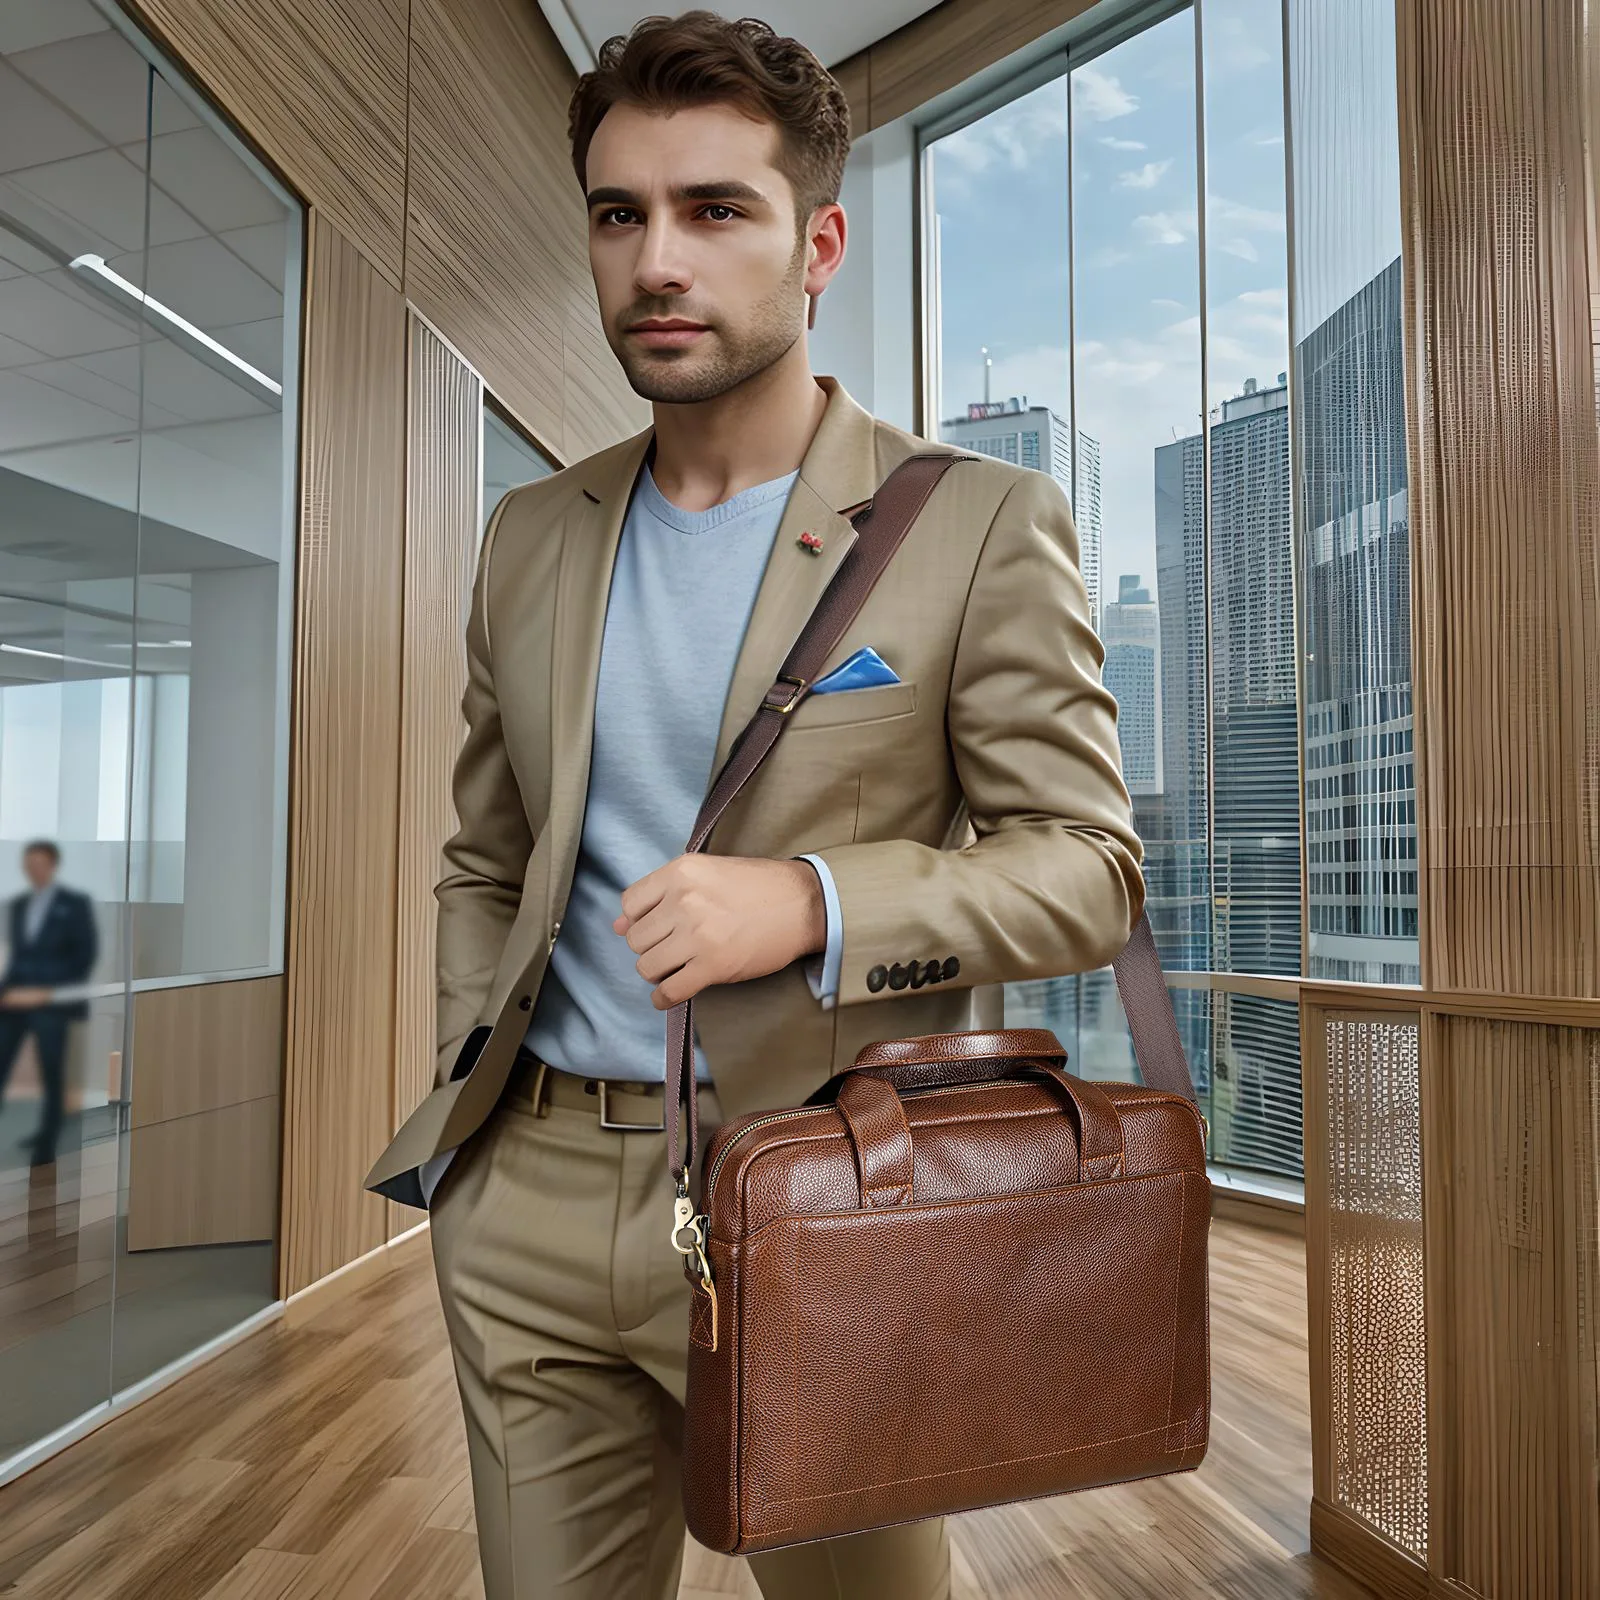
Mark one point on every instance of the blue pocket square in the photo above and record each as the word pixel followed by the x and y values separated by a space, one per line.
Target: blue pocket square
pixel 866 669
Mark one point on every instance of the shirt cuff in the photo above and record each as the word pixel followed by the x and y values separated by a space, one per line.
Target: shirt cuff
pixel 822 971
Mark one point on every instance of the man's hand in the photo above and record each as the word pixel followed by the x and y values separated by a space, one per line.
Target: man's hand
pixel 702 920
pixel 20 999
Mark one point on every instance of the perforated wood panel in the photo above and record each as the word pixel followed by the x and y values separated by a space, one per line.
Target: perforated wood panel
pixel 1376 1351
pixel 443 473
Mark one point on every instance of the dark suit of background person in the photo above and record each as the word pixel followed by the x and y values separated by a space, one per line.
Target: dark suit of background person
pixel 61 950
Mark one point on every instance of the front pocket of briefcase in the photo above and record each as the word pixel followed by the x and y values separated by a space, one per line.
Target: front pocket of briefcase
pixel 905 1362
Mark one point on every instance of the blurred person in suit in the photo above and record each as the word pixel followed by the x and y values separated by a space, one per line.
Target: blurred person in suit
pixel 53 944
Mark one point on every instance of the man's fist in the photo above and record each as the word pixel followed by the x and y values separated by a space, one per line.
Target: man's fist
pixel 702 920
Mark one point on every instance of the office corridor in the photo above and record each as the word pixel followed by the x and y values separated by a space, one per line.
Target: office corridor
pixel 325 1457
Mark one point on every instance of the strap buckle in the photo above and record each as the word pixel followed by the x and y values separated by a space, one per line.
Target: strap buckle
pixel 627 1127
pixel 797 691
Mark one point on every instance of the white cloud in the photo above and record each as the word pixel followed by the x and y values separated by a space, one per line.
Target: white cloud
pixel 1111 142
pixel 1266 137
pixel 1239 247
pixel 1145 177
pixel 1165 227
pixel 1167 305
pixel 1099 96
pixel 1006 138
pixel 1251 218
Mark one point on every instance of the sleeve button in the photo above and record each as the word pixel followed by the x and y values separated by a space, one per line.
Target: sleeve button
pixel 952 968
pixel 898 976
pixel 877 978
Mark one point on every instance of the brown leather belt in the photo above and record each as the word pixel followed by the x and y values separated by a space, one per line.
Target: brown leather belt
pixel 623 1105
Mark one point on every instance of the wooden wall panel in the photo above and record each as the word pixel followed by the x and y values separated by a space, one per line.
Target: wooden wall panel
pixel 203 1148
pixel 338 1080
pixel 940 49
pixel 497 256
pixel 443 487
pixel 1512 1286
pixel 1505 485
pixel 320 87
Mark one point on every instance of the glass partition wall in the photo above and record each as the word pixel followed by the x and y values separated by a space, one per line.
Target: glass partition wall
pixel 149 293
pixel 1109 301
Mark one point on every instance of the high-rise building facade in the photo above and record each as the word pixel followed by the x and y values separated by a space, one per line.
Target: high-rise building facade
pixel 1034 436
pixel 1360 803
pixel 1226 868
pixel 1131 635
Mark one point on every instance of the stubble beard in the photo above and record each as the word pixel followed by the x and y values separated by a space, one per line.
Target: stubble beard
pixel 686 377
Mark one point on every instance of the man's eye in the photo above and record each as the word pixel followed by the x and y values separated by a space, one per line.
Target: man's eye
pixel 727 211
pixel 616 213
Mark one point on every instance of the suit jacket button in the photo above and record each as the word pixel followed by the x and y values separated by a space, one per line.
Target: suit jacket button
pixel 525 1002
pixel 877 978
pixel 898 976
pixel 933 972
pixel 919 975
pixel 952 967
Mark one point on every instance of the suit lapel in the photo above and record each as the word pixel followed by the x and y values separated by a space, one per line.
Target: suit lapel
pixel 840 470
pixel 589 540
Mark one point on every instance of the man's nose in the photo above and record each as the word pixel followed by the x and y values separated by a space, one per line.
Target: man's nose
pixel 663 267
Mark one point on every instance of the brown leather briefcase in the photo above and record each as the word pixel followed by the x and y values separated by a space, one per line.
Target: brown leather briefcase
pixel 958 1275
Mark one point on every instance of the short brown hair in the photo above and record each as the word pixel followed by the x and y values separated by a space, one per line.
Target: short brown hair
pixel 670 63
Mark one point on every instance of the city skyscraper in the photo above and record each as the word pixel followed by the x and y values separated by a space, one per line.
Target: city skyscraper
pixel 1131 635
pixel 1361 820
pixel 1226 866
pixel 1034 436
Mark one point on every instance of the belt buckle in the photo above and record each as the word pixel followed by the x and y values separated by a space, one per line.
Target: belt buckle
pixel 628 1127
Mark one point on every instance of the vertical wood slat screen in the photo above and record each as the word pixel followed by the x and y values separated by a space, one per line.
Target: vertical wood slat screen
pixel 338 1073
pixel 443 487
pixel 1505 472
pixel 1513 1274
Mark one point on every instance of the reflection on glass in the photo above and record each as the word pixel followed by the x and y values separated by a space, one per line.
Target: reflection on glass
pixel 1352 495
pixel 508 460
pixel 146 436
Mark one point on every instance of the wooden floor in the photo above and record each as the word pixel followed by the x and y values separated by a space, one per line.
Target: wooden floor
pixel 326 1459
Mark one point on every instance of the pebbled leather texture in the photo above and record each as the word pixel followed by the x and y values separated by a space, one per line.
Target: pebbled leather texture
pixel 931 1299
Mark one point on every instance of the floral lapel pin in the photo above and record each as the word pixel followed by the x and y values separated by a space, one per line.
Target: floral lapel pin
pixel 810 543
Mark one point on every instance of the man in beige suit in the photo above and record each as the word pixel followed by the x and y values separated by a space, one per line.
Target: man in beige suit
pixel 962 824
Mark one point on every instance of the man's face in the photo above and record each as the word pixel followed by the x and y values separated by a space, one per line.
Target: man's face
pixel 40 867
pixel 697 260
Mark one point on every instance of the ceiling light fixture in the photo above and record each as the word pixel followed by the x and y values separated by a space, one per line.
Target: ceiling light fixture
pixel 196 340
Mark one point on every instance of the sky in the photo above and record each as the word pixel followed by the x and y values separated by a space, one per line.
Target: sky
pixel 1001 193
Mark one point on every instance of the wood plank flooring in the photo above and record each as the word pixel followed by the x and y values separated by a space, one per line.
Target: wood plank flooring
pixel 326 1459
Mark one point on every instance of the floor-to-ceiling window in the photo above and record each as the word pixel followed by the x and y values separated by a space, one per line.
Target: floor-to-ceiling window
pixel 149 293
pixel 1109 297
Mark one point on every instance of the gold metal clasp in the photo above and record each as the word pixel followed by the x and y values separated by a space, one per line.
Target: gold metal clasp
pixel 689 1235
pixel 798 685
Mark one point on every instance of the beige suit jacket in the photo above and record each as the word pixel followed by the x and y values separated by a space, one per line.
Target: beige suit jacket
pixel 976 809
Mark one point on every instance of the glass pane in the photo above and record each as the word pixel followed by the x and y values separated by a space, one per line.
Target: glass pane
pixel 1001 362
pixel 74 93
pixel 208 751
pixel 1351 489
pixel 1255 764
pixel 508 461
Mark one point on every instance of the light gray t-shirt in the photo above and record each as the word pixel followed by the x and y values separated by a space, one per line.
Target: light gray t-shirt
pixel 682 591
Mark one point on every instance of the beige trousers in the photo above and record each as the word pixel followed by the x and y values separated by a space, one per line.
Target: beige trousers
pixel 569 1315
